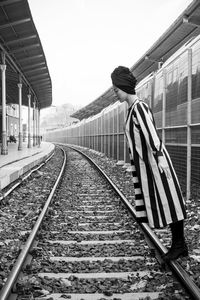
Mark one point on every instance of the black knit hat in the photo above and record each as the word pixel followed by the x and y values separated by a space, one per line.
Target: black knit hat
pixel 123 79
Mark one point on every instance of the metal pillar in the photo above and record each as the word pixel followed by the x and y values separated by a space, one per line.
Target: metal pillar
pixel 39 137
pixel 29 120
pixel 34 135
pixel 20 114
pixel 4 147
pixel 36 122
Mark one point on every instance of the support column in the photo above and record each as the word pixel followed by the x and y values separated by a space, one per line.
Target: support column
pixel 20 114
pixel 29 120
pixel 36 126
pixel 4 147
pixel 34 135
pixel 39 137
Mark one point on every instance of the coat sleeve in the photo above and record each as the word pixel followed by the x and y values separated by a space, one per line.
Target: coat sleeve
pixel 147 124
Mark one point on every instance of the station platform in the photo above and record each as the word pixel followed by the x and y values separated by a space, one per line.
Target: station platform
pixel 17 162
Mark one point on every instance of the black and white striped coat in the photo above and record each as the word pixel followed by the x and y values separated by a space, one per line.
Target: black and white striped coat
pixel 158 200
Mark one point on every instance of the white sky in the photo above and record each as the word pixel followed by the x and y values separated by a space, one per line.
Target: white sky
pixel 84 40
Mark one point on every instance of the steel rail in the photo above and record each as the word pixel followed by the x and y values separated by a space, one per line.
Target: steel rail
pixel 178 271
pixel 24 178
pixel 6 290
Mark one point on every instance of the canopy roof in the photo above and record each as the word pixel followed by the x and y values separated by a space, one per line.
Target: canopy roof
pixel 183 29
pixel 24 55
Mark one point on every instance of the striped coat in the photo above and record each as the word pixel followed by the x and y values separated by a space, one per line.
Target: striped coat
pixel 158 200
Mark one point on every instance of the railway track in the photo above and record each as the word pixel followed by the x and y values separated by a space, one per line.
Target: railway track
pixel 89 247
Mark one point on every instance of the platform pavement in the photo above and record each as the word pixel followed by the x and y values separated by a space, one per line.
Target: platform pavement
pixel 17 162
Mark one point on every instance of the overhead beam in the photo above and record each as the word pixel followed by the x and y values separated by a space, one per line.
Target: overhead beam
pixel 36 80
pixel 24 48
pixel 47 81
pixel 7 2
pixel 42 86
pixel 22 39
pixel 42 92
pixel 45 94
pixel 32 66
pixel 30 58
pixel 36 70
pixel 38 76
pixel 13 23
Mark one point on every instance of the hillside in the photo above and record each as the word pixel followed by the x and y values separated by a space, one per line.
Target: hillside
pixel 57 117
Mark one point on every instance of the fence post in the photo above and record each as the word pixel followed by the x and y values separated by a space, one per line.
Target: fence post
pixel 102 126
pixel 189 96
pixel 117 132
pixel 125 114
pixel 164 106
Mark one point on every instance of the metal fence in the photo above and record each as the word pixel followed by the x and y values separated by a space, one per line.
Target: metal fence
pixel 173 93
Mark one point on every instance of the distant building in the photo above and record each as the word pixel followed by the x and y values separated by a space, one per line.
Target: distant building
pixel 57 117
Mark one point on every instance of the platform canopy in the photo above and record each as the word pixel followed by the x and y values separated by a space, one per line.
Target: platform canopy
pixel 24 56
pixel 182 30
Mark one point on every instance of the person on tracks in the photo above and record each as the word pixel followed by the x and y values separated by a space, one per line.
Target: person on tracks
pixel 158 198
